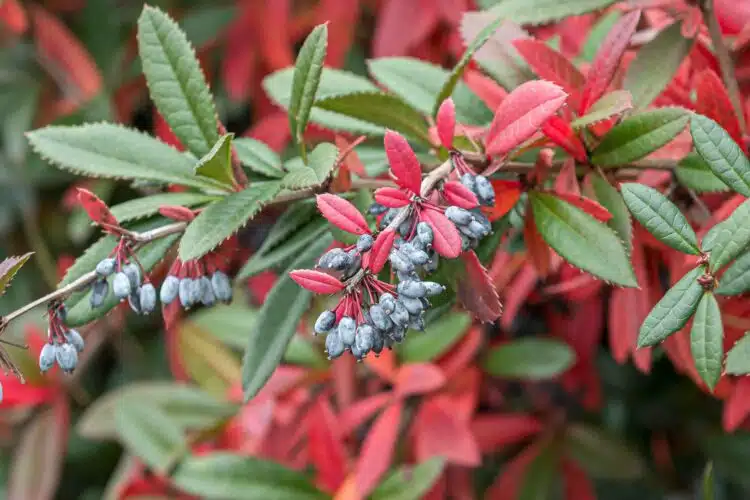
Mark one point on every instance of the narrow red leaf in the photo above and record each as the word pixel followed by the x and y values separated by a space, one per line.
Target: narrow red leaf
pixel 476 291
pixel 380 250
pixel 607 60
pixel 507 485
pixel 97 210
pixel 13 16
pixel 447 241
pixel 507 194
pixel 457 194
pixel 485 88
pixel 578 486
pixel 494 432
pixel 440 433
pixel 446 122
pixel 567 180
pixel 377 450
pixel 401 26
pixel 712 100
pixel 536 247
pixel 521 114
pixel 342 214
pixel 550 65
pixel 316 281
pixel 418 378
pixel 404 163
pixel 588 205
pixel 392 197
pixel 737 407
pixel 176 212
pixel 361 411
pixel 561 133
pixel 325 445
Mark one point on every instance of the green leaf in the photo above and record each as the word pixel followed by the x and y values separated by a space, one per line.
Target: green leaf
pixel 138 208
pixel 277 322
pixel 695 174
pixel 707 340
pixel 660 217
pixel 673 310
pixel 89 150
pixel 736 279
pixel 203 25
pixel 536 12
pixel 381 109
pixel 581 240
pixel 238 477
pixel 708 492
pixel 258 157
pixel 295 217
pixel 321 162
pixel 530 358
pixel 217 163
pixel 598 33
pixel 409 483
pixel 609 105
pixel 307 72
pixel 8 269
pixel 732 238
pixel 655 64
pixel 542 477
pixel 302 351
pixel 611 199
pixel 639 135
pixel 438 338
pixel 738 357
pixel 222 219
pixel 722 155
pixel 601 455
pixel 176 82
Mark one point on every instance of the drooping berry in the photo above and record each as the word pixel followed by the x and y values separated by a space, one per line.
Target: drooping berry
pixel 222 287
pixel 411 288
pixel 66 357
pixel 147 298
pixel 484 190
pixel 347 330
pixel 105 267
pixel 364 243
pixel 47 357
pixel 458 215
pixel 432 288
pixel 184 292
pixel 75 339
pixel 133 272
pixel 325 322
pixel 334 345
pixel 169 289
pixel 134 299
pixel 121 286
pixel 99 291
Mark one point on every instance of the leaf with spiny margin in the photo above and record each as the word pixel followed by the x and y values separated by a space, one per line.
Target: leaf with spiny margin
pixel 8 269
pixel 694 173
pixel 673 311
pixel 223 218
pixel 707 340
pixel 736 279
pixel 722 155
pixel 609 105
pixel 381 109
pixel 581 240
pixel 307 71
pixel 660 217
pixel 258 157
pixel 639 135
pixel 655 64
pixel 535 12
pixel 738 357
pixel 732 239
pixel 611 199
pixel 138 208
pixel 115 152
pixel 217 163
pixel 319 167
pixel 280 316
pixel 176 81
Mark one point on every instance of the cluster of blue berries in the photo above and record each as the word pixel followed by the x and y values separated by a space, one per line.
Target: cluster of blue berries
pixel 127 283
pixel 63 344
pixel 198 287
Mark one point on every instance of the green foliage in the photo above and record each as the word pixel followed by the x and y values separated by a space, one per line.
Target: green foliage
pixel 738 357
pixel 437 338
pixel 410 483
pixel 307 72
pixel 706 340
pixel 217 163
pixel 8 269
pixel 530 358
pixel 601 454
pixel 722 155
pixel 736 279
pixel 320 166
pixel 138 208
pixel 732 237
pixel 543 11
pixel 609 105
pixel 258 157
pixel 611 199
pixel 694 173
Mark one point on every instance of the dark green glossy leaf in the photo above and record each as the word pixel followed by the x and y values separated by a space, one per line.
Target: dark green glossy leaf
pixel 736 279
pixel 258 157
pixel 722 155
pixel 530 358
pixel 707 340
pixel 694 173
pixel 437 338
pixel 738 357
pixel 611 199
pixel 732 238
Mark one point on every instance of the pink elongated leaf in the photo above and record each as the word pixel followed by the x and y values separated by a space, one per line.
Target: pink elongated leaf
pixel 392 197
pixel 712 100
pixel 377 449
pixel 447 241
pixel 97 210
pixel 591 207
pixel 404 163
pixel 361 411
pixel 380 250
pixel 440 432
pixel 476 291
pixel 342 214
pixel 176 212
pixel 607 60
pixel 418 378
pixel 521 114
pixel 446 122
pixel 551 65
pixel 561 133
pixel 325 445
pixel 316 281
pixel 457 194
pixel 567 180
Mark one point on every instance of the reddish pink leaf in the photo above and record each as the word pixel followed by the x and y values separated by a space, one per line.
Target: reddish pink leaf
pixel 737 407
pixel 392 197
pixel 462 354
pixel 404 163
pixel 358 413
pixel 439 432
pixel 457 194
pixel 176 212
pixel 550 65
pixel 418 378
pixel 446 122
pixel 380 250
pixel 494 432
pixel 567 179
pixel 507 194
pixel 377 449
pixel 521 114
pixel 401 26
pixel 607 60
pixel 476 291
pixel 485 88
pixel 578 486
pixel 325 445
pixel 342 214
pixel 13 16
pixel 98 210
pixel 316 281
pixel 447 241
pixel 274 44
pixel 536 247
pixel 588 205
pixel 561 133
pixel 712 100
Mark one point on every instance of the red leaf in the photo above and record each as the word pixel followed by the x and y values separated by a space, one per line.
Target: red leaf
pixel 358 413
pixel 275 45
pixel 521 114
pixel 98 210
pixel 403 25
pixel 536 247
pixel 342 214
pixel 462 354
pixel 588 205
pixel 316 281
pixel 13 16
pixel 567 180
pixel 380 250
pixel 494 432
pixel 476 290
pixel 507 194
pixel 418 378
pixel 485 88
pixel 377 449
pixel 578 486
pixel 712 100
pixel 439 432
pixel 737 407
pixel 550 65
pixel 404 163
pixel 510 480
pixel 325 445
pixel 176 212
pixel 392 197
pixel 351 160
pixel 447 241
pixel 446 122
pixel 561 133
pixel 457 194
pixel 607 60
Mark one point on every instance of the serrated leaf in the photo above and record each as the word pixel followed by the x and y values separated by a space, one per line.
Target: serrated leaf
pixel 612 104
pixel 673 311
pixel 736 279
pixel 8 269
pixel 222 219
pixel 660 217
pixel 307 72
pixel 707 340
pixel 529 358
pixel 258 157
pixel 732 238
pixel 217 163
pixel 321 161
pixel 722 155
pixel 381 109
pixel 655 64
pixel 138 208
pixel 410 482
pixel 611 199
pixel 438 338
pixel 176 82
pixel 639 135
pixel 536 12
pixel 694 173
pixel 581 240
pixel 550 65
pixel 738 357
pixel 712 100
pixel 88 150
pixel 277 322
